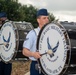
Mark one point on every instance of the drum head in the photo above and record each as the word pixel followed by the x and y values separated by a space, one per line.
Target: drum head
pixel 8 41
pixel 54 42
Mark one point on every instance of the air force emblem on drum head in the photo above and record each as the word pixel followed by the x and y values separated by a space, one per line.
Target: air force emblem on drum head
pixel 53 50
pixel 52 45
pixel 7 40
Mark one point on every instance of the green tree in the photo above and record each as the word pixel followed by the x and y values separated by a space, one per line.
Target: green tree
pixel 30 14
pixel 51 17
pixel 17 12
pixel 12 8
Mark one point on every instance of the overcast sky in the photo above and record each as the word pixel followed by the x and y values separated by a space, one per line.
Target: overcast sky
pixel 62 9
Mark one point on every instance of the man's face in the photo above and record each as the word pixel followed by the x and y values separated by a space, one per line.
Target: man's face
pixel 42 20
pixel 0 22
pixel 3 18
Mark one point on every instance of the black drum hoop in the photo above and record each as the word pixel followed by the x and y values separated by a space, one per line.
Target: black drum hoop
pixel 68 52
pixel 16 40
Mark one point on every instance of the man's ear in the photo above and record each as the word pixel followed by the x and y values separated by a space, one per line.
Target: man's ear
pixel 38 20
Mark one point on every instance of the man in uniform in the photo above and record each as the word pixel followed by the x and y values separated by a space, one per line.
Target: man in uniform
pixel 5 68
pixel 29 45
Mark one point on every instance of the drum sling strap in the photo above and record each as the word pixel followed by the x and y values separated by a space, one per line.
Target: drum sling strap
pixel 36 31
pixel 37 66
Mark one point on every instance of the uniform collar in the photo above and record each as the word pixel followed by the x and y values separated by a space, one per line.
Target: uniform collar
pixel 38 28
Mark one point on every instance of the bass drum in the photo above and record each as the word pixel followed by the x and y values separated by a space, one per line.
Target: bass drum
pixel 71 29
pixel 54 45
pixel 11 39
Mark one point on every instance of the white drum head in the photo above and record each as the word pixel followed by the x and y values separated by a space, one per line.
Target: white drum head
pixel 8 39
pixel 53 38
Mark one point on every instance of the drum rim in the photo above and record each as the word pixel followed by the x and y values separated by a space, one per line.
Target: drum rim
pixel 16 41
pixel 69 51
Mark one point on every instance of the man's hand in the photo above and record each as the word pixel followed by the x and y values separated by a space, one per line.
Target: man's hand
pixel 36 55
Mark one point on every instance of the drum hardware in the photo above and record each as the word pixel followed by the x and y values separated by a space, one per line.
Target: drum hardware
pixel 23 27
pixel 21 59
pixel 74 47
pixel 16 51
pixel 64 30
pixel 69 30
pixel 38 68
pixel 17 39
pixel 73 65
pixel 66 66
pixel 14 28
pixel 25 33
pixel 20 29
pixel 21 39
pixel 19 51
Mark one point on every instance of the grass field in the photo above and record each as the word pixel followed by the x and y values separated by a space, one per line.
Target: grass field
pixel 20 67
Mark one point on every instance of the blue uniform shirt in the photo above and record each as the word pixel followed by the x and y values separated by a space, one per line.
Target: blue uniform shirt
pixel 30 41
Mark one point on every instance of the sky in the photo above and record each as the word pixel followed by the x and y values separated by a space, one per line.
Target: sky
pixel 64 10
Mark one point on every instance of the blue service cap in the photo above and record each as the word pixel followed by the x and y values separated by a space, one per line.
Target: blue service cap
pixel 3 14
pixel 42 12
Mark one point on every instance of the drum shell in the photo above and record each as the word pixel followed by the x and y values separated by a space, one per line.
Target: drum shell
pixel 23 29
pixel 71 29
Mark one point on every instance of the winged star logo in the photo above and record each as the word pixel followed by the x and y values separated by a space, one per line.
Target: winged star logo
pixel 7 40
pixel 53 50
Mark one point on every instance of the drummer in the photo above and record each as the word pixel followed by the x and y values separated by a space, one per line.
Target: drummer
pixel 5 68
pixel 29 45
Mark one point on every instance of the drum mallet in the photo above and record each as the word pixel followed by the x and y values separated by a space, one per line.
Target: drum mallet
pixel 48 52
pixel 3 43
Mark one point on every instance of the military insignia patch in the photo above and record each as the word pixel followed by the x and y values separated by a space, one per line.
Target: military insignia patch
pixel 26 38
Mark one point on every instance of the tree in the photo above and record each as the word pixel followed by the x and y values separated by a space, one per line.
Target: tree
pixel 17 12
pixel 51 17
pixel 11 7
pixel 30 14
